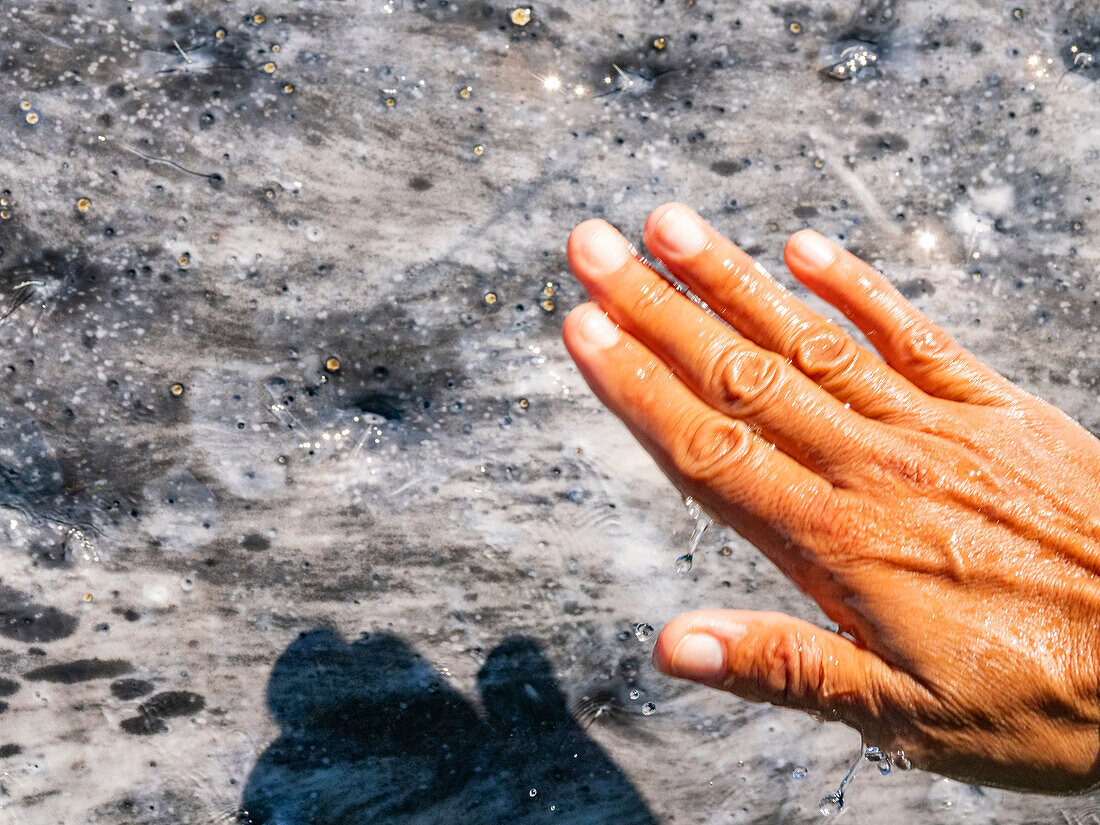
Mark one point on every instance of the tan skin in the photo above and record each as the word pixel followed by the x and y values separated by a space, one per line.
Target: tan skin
pixel 946 520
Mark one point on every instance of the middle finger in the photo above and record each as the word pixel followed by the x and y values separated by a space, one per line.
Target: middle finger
pixel 749 299
pixel 726 370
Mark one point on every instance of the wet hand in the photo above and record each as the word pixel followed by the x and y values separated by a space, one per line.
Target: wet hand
pixel 948 521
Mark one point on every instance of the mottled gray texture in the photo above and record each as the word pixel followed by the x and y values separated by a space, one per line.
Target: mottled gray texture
pixel 453 489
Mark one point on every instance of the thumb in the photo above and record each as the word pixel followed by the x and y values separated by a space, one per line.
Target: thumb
pixel 770 657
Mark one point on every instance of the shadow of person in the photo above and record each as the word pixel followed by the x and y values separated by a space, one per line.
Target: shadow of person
pixel 371 733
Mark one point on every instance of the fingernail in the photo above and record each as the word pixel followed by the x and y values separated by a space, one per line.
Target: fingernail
pixel 699 657
pixel 604 251
pixel 680 233
pixel 597 329
pixel 812 251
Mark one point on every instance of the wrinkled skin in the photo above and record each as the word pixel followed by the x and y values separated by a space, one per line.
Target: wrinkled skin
pixel 948 521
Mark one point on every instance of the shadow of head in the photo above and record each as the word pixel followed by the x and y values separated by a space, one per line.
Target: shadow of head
pixel 371 732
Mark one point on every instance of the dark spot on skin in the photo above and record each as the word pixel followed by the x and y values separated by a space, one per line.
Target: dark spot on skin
pixel 419 184
pixel 255 542
pixel 8 686
pixel 24 620
pixel 81 670
pixel 10 749
pixel 130 688
pixel 152 713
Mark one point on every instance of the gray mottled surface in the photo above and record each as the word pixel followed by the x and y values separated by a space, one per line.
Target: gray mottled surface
pixel 453 490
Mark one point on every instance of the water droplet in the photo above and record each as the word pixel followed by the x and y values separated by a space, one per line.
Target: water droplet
pixel 799 772
pixel 702 522
pixel 643 631
pixel 832 804
pixel 648 709
pixel 533 792
pixel 879 759
pixel 635 694
pixel 520 15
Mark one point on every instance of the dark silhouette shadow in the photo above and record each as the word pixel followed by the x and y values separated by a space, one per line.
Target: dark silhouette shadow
pixel 373 734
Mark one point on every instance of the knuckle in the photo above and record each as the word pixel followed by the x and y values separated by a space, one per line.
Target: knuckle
pixel 824 353
pixel 710 447
pixel 794 668
pixel 744 379
pixel 916 464
pixel 922 346
pixel 651 297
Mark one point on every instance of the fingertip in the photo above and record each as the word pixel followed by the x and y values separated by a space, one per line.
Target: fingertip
pixel 588 327
pixel 675 229
pixel 596 249
pixel 584 230
pixel 809 253
pixel 658 213
pixel 695 646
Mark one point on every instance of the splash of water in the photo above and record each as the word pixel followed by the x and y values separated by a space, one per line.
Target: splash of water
pixel 833 803
pixel 702 522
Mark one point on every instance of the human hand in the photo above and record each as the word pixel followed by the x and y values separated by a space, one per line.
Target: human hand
pixel 948 521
